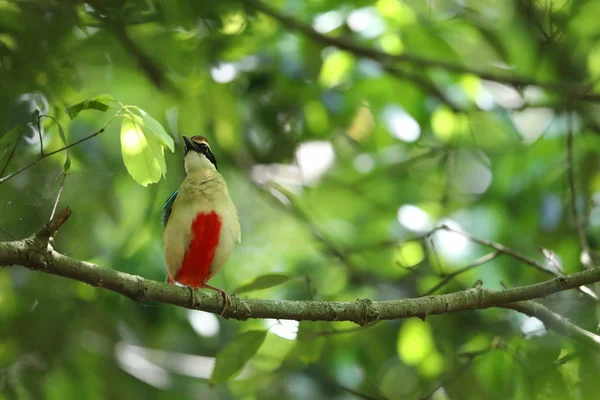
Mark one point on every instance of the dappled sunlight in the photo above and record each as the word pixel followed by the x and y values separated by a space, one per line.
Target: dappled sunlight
pixel 288 175
pixel 131 359
pixel 156 367
pixel 503 95
pixel 133 141
pixel 401 124
pixel 314 159
pixel 531 327
pixel 366 21
pixel 328 21
pixel 451 244
pixel 224 72
pixel 205 324
pixel 471 171
pixel 414 218
pixel 364 163
pixel 285 329
pixel 532 123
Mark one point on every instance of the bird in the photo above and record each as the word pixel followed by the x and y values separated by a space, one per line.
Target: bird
pixel 200 221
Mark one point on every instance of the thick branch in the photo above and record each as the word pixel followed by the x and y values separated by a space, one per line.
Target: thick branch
pixel 29 254
pixel 36 253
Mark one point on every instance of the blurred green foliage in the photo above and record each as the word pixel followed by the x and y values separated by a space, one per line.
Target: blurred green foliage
pixel 369 154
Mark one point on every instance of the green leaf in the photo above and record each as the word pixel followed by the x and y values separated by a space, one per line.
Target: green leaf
pixel 263 282
pixel 153 127
pixel 142 154
pixel 8 142
pixel 236 354
pixel 310 344
pixel 100 103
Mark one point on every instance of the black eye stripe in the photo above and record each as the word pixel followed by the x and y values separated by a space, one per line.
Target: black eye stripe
pixel 204 149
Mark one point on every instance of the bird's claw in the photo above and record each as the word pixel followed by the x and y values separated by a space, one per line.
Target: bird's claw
pixel 193 297
pixel 226 302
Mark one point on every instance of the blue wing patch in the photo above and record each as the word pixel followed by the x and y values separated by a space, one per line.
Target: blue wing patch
pixel 166 210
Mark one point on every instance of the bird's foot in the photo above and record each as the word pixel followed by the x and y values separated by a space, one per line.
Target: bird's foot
pixel 192 296
pixel 226 301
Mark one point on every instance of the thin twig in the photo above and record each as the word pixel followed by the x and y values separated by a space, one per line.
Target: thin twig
pixel 554 321
pixel 18 171
pixel 7 233
pixel 378 394
pixel 62 185
pixel 585 248
pixel 12 153
pixel 399 166
pixel 469 356
pixel 499 247
pixel 304 218
pixel 430 244
pixel 452 378
pixel 566 358
pixel 38 127
pixel 447 278
pixel 358 394
pixel 516 255
pixel 423 83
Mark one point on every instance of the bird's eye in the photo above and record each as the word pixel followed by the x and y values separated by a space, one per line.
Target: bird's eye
pixel 203 147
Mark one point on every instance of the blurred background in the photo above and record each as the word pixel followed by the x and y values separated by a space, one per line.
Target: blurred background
pixel 340 159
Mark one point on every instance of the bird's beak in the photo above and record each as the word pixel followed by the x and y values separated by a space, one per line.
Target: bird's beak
pixel 189 145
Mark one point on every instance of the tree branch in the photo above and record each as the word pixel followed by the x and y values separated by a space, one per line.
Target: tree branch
pixel 573 89
pixel 36 253
pixel 32 253
pixel 556 322
pixel 447 278
pixel 516 255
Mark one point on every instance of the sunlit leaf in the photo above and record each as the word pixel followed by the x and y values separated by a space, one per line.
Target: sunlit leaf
pixel 263 282
pixel 154 128
pixel 236 354
pixel 100 103
pixel 8 142
pixel 142 154
pixel 8 41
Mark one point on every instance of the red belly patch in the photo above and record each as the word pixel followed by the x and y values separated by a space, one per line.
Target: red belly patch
pixel 195 268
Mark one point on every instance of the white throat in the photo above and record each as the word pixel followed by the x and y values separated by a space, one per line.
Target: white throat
pixel 196 163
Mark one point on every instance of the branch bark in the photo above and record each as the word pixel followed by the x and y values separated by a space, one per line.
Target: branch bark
pixel 556 322
pixel 36 253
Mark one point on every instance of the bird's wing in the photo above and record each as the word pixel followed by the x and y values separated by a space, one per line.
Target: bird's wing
pixel 166 210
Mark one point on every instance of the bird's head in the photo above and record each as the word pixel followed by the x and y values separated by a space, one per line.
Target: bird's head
pixel 198 157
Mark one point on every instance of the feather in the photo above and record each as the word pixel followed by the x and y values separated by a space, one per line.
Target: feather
pixel 196 265
pixel 166 210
